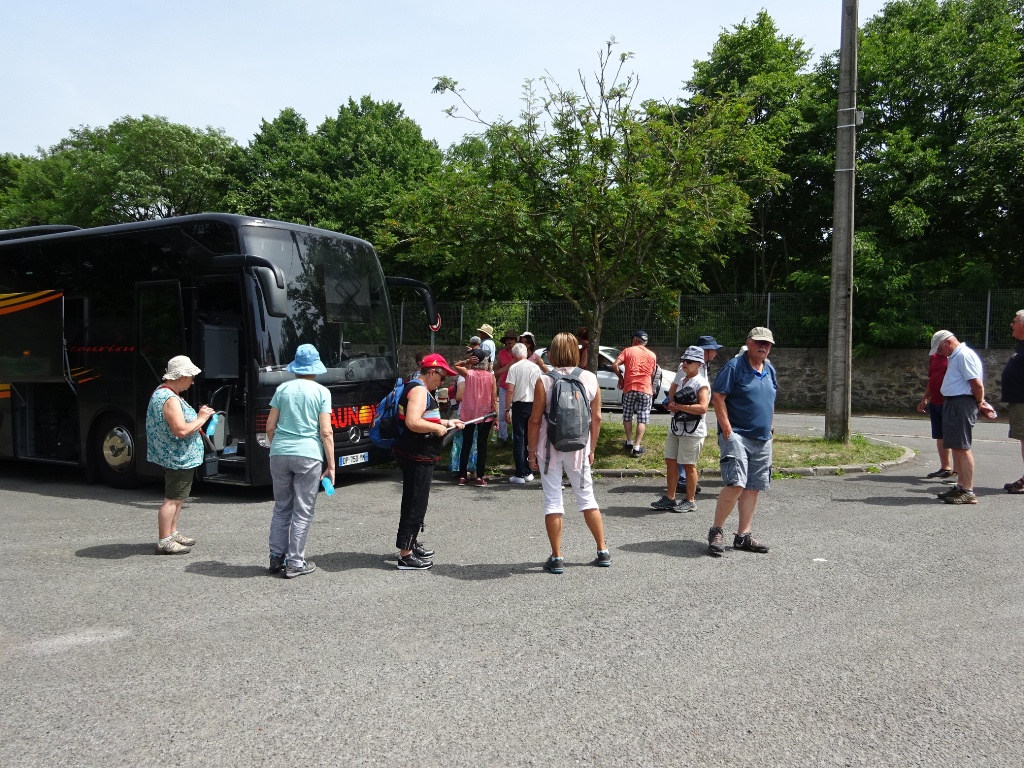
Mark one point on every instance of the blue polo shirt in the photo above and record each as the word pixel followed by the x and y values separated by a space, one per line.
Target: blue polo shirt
pixel 749 397
pixel 964 365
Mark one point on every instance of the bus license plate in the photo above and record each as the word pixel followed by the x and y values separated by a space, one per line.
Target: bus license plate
pixel 355 458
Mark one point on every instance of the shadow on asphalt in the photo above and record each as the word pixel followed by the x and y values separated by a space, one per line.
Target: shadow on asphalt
pixel 687 548
pixel 634 512
pixel 221 570
pixel 117 551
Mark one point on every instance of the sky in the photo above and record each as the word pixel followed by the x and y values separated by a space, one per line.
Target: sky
pixel 65 64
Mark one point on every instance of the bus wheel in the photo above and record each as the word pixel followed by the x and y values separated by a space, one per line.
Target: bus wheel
pixel 114 452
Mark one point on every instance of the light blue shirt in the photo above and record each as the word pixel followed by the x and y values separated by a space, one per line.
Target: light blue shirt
pixel 487 345
pixel 964 364
pixel 300 401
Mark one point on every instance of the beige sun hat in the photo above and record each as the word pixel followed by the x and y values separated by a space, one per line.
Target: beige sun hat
pixel 485 328
pixel 180 366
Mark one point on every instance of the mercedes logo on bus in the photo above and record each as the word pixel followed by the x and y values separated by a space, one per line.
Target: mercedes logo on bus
pixel 355 434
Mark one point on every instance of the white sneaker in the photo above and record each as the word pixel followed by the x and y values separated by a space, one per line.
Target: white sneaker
pixel 528 478
pixel 517 480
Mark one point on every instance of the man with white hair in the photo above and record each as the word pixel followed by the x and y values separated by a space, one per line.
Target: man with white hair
pixel 1013 393
pixel 520 385
pixel 963 392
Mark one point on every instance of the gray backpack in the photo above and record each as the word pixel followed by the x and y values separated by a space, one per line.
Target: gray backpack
pixel 568 411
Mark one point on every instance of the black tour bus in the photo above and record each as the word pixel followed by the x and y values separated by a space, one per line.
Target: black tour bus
pixel 90 317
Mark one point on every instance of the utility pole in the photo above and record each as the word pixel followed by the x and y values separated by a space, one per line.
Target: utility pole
pixel 840 322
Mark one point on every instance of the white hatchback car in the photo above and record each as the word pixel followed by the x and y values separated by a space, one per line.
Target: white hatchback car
pixel 611 395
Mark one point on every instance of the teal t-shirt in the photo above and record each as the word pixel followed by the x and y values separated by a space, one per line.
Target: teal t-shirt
pixel 300 402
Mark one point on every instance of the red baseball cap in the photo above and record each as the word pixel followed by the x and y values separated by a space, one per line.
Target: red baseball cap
pixel 437 361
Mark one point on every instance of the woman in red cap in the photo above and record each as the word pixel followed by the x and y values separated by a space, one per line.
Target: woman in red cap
pixel 417 451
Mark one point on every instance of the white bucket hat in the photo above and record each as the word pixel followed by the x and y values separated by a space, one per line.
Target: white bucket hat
pixel 180 366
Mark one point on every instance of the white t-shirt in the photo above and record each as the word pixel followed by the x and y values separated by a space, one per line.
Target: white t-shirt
pixel 697 383
pixel 589 382
pixel 523 377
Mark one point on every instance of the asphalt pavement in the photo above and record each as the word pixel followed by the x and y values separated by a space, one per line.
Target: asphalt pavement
pixel 882 629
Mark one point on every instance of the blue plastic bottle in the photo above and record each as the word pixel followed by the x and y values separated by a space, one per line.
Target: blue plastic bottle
pixel 211 425
pixel 328 486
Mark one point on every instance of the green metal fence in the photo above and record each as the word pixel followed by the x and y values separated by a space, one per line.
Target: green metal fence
pixel 796 319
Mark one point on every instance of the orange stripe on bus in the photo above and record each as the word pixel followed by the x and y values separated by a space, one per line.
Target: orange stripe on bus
pixel 27 305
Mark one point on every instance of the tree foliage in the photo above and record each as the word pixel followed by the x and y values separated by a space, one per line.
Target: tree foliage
pixel 591 195
pixel 133 170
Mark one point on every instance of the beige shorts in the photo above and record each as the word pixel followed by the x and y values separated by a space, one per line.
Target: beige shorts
pixel 1015 412
pixel 685 449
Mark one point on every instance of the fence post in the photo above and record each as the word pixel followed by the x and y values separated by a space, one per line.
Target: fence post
pixel 768 322
pixel 401 325
pixel 462 321
pixel 679 317
pixel 527 316
pixel 988 316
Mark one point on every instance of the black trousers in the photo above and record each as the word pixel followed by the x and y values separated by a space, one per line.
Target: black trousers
pixel 416 477
pixel 520 423
pixel 482 430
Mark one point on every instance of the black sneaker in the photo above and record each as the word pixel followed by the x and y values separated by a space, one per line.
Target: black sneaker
pixel 627 447
pixel 665 503
pixel 557 564
pixel 940 474
pixel 638 452
pixel 946 494
pixel 748 543
pixel 421 552
pixel 276 563
pixel 963 497
pixel 716 541
pixel 291 571
pixel 603 559
pixel 412 563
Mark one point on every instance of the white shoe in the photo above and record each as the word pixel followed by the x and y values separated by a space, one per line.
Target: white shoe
pixel 517 480
pixel 528 478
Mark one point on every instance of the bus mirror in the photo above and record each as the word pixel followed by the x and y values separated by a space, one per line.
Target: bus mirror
pixel 276 298
pixel 425 294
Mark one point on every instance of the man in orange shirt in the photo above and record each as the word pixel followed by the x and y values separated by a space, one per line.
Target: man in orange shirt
pixel 637 390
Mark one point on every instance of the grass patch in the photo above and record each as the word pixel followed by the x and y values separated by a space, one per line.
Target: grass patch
pixel 789 450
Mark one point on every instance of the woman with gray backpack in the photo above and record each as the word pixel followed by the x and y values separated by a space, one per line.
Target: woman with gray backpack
pixel 564 426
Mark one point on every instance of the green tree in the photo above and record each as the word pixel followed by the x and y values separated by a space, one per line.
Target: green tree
pixel 600 199
pixel 133 170
pixel 768 70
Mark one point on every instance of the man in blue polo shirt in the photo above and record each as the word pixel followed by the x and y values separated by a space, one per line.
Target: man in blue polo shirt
pixel 963 394
pixel 744 399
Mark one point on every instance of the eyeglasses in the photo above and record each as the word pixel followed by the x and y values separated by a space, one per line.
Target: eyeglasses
pixel 759 343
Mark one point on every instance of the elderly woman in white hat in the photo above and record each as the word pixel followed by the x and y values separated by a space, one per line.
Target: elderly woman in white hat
pixel 301 455
pixel 174 443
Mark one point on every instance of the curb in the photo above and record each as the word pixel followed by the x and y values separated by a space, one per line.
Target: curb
pixel 845 469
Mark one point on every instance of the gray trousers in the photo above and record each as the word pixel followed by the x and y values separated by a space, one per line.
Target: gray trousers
pixel 295 486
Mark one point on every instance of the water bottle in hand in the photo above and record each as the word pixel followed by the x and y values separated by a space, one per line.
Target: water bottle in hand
pixel 328 486
pixel 211 425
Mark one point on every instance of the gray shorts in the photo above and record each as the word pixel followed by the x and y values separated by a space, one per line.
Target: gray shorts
pixel 959 415
pixel 1015 412
pixel 745 462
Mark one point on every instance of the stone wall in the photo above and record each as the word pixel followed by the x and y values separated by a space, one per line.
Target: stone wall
pixel 889 381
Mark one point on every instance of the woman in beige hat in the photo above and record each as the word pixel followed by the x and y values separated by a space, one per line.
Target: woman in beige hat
pixel 487 344
pixel 174 443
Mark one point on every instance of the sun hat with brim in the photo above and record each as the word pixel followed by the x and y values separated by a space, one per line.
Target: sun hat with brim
pixel 437 361
pixel 761 334
pixel 485 328
pixel 510 336
pixel 527 334
pixel 693 354
pixel 937 339
pixel 180 366
pixel 307 361
pixel 707 342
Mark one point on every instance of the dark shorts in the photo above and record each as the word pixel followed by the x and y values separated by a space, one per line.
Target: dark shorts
pixel 178 483
pixel 959 415
pixel 1015 413
pixel 935 413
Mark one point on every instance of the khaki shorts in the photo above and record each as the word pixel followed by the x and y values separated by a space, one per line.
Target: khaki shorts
pixel 1015 412
pixel 178 483
pixel 685 449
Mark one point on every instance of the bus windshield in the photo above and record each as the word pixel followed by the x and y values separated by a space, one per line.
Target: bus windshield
pixel 337 300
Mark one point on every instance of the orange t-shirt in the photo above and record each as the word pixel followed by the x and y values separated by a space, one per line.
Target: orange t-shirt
pixel 640 364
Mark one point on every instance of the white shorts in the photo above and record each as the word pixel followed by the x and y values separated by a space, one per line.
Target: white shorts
pixel 685 449
pixel 551 481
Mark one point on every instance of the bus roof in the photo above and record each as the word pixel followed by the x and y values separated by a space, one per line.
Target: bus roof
pixel 55 232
